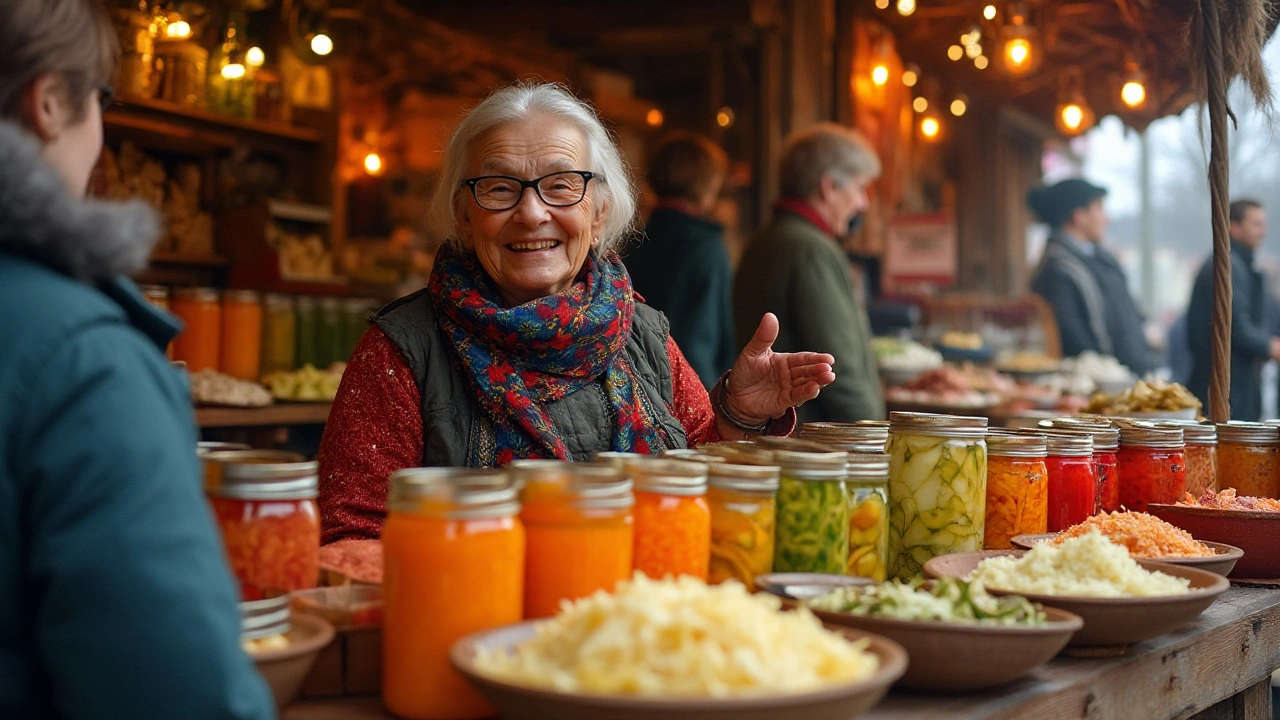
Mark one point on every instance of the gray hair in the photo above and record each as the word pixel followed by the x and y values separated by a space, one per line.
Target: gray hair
pixel 517 102
pixel 826 149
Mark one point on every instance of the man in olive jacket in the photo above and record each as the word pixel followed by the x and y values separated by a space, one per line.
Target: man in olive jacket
pixel 796 268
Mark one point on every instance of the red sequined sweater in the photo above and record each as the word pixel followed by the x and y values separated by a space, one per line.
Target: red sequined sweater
pixel 375 428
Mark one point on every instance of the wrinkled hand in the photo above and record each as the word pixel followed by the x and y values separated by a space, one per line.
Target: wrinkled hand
pixel 764 384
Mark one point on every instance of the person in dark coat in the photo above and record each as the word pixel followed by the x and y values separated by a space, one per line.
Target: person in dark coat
pixel 116 600
pixel 1082 282
pixel 1252 343
pixel 681 265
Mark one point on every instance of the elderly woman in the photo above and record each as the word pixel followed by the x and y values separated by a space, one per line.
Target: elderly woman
pixel 528 340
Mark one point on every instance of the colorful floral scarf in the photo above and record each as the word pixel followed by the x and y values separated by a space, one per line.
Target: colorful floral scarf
pixel 519 359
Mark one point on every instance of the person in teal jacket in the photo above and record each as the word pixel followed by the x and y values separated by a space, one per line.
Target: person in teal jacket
pixel 115 597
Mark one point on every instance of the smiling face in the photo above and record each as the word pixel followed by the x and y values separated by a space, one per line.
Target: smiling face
pixel 533 249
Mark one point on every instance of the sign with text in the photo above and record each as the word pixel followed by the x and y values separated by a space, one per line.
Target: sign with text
pixel 921 248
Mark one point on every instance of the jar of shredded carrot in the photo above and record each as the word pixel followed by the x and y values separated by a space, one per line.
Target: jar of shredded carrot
pixel 578 527
pixel 1152 461
pixel 453 558
pixel 868 483
pixel 265 508
pixel 199 344
pixel 673 521
pixel 1073 481
pixel 241 341
pixel 743 518
pixel 1248 459
pixel 1201 454
pixel 1017 489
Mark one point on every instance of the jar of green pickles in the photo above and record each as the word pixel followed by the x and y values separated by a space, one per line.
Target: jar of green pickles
pixel 307 317
pixel 331 333
pixel 937 488
pixel 813 508
pixel 279 334
pixel 868 483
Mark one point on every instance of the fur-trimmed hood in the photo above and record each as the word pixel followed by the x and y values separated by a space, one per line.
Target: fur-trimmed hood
pixel 89 240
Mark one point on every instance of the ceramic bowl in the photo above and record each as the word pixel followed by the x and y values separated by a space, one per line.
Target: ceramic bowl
pixel 1109 621
pixel 286 668
pixel 518 702
pixel 1255 532
pixel 1221 563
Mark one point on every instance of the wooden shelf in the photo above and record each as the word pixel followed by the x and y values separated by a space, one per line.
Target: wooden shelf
pixel 282 413
pixel 168 258
pixel 147 114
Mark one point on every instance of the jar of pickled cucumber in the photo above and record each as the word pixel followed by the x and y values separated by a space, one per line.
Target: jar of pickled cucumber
pixel 743 520
pixel 1017 489
pixel 868 484
pixel 937 488
pixel 813 508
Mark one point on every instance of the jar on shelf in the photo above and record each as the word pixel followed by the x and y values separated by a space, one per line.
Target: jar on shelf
pixel 1152 463
pixel 199 344
pixel 231 86
pixel 1201 439
pixel 868 484
pixel 1247 459
pixel 743 520
pixel 279 334
pixel 331 334
pixel 241 342
pixel 1073 479
pixel 672 519
pixel 572 510
pixel 866 436
pixel 158 296
pixel 453 558
pixel 308 322
pixel 1017 489
pixel 181 71
pixel 813 507
pixel 266 511
pixel 937 488
pixel 136 35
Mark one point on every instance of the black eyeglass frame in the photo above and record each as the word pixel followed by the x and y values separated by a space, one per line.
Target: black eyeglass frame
pixel 587 177
pixel 106 96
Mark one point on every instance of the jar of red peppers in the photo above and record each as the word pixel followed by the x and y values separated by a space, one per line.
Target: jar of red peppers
pixel 672 519
pixel 1247 458
pixel 270 524
pixel 1153 466
pixel 1201 439
pixel 1106 442
pixel 1073 480
pixel 1017 489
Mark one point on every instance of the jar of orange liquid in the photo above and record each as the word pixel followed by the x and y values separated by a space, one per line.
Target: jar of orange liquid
pixel 577 517
pixel 158 296
pixel 199 343
pixel 242 334
pixel 673 520
pixel 453 559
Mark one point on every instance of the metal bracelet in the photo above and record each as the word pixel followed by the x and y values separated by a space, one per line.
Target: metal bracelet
pixel 724 410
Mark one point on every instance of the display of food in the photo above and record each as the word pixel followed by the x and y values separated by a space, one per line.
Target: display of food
pixel 1155 396
pixel 1249 459
pixel 681 638
pixel 307 383
pixel 1028 362
pixel 1017 489
pixel 954 386
pixel 302 256
pixel 1151 464
pixel 962 340
pixel 1100 370
pixel 1227 500
pixel 743 521
pixel 944 600
pixel 813 513
pixel 868 483
pixel 672 519
pixel 353 560
pixel 1145 536
pixel 266 644
pixel 905 356
pixel 1085 566
pixel 1073 478
pixel 214 388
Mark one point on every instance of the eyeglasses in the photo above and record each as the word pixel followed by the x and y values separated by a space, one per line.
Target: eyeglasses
pixel 503 192
pixel 106 96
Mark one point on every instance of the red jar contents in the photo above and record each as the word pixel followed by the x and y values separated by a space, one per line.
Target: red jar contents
pixel 1106 466
pixel 1072 490
pixel 273 546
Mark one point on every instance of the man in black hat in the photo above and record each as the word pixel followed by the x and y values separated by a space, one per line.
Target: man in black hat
pixel 1252 343
pixel 1082 282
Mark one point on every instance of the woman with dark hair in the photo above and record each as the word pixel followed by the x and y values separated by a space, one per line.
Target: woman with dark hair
pixel 117 601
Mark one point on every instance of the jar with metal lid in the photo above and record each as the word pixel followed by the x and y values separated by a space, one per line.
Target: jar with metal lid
pixel 1017 489
pixel 454 560
pixel 214 456
pixel 1201 439
pixel 672 519
pixel 813 507
pixel 865 436
pixel 266 510
pixel 1106 442
pixel 199 344
pixel 739 452
pixel 204 447
pixel 1152 462
pixel 263 620
pixel 691 455
pixel 279 334
pixel 572 510
pixel 1073 478
pixel 241 341
pixel 868 484
pixel 331 334
pixel 307 346
pixel 1248 459
pixel 937 488
pixel 743 520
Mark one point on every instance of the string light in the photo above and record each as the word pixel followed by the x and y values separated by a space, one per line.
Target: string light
pixel 920 104
pixel 1074 115
pixel 955 52
pixel 725 117
pixel 321 44
pixel 960 105
pixel 930 127
pixel 654 117
pixel 1134 91
pixel 254 57
pixel 233 71
pixel 911 76
pixel 879 74
pixel 178 30
pixel 373 163
pixel 981 62
pixel 906 7
pixel 882 4
pixel 989 12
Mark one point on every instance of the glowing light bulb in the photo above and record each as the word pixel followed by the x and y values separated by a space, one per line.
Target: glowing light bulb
pixel 880 75
pixel 910 78
pixel 321 44
pixel 920 104
pixel 1017 55
pixel 955 52
pixel 254 57
pixel 1072 116
pixel 180 29
pixel 959 107
pixel 233 71
pixel 989 12
pixel 882 4
pixel 981 62
pixel 929 127
pixel 973 50
pixel 726 117
pixel 654 117
pixel 1134 94
pixel 906 7
pixel 373 163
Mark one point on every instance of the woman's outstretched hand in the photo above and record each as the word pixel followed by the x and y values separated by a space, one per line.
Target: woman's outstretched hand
pixel 764 384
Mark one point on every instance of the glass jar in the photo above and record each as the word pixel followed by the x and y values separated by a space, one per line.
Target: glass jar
pixel 241 342
pixel 813 507
pixel 865 436
pixel 672 519
pixel 213 455
pixel 231 86
pixel 137 37
pixel 1201 439
pixel 454 559
pixel 331 334
pixel 181 71
pixel 355 319
pixel 279 334
pixel 1017 489
pixel 572 510
pixel 308 321
pixel 1106 442
pixel 937 488
pixel 743 520
pixel 266 510
pixel 1247 458
pixel 1073 479
pixel 868 483
pixel 199 344
pixel 158 296
pixel 1152 464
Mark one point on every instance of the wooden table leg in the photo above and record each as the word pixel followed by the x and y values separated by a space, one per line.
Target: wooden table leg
pixel 1252 703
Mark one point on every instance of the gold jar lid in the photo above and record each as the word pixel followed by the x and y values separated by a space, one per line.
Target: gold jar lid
pixel 666 476
pixel 1003 444
pixel 753 479
pixel 586 485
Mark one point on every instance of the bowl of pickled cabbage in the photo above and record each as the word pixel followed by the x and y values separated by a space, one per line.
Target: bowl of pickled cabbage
pixel 959 637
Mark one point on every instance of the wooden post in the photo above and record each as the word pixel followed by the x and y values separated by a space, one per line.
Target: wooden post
pixel 1219 192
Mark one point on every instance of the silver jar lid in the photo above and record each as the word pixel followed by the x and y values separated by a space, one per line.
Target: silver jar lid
pixel 1106 438
pixel 691 455
pixel 868 467
pixel 1195 432
pixel 948 426
pixel 752 479
pixel 456 493
pixel 807 460
pixel 668 477
pixel 866 436
pixel 618 459
pixel 1003 444
pixel 260 475
pixel 264 618
pixel 590 486
pixel 1247 433
pixel 1138 433
pixel 739 452
pixel 205 447
pixel 1068 443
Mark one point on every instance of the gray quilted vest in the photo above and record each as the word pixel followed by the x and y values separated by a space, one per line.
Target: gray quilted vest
pixel 456 432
